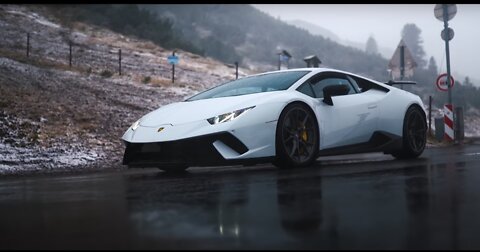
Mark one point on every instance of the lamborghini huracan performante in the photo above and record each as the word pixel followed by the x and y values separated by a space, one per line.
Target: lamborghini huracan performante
pixel 287 117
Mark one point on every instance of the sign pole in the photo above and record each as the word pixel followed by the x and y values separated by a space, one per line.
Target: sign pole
pixel 172 59
pixel 447 50
pixel 445 24
pixel 173 69
pixel 445 12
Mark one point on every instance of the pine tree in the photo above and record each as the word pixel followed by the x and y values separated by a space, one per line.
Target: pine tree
pixel 371 46
pixel 411 36
pixel 432 66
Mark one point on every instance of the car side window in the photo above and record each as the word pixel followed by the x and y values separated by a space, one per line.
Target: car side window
pixel 329 81
pixel 306 88
pixel 315 85
pixel 354 84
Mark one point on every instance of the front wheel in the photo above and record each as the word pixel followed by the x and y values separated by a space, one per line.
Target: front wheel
pixel 297 137
pixel 414 134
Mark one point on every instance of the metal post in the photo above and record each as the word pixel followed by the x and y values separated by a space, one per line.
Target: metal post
pixel 430 114
pixel 439 129
pixel 28 44
pixel 236 70
pixel 459 129
pixel 70 55
pixel 120 61
pixel 173 69
pixel 447 36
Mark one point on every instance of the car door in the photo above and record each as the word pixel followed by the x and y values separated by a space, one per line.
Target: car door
pixel 351 119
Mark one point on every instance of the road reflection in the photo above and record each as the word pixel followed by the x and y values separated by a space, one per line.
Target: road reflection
pixel 256 210
pixel 300 203
pixel 427 203
pixel 301 208
pixel 417 193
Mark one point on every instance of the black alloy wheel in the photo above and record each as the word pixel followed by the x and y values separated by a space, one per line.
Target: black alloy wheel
pixel 414 134
pixel 297 137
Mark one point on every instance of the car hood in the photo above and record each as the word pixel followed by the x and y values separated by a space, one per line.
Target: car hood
pixel 190 111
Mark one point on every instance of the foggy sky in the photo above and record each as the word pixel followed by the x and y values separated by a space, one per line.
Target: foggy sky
pixel 356 22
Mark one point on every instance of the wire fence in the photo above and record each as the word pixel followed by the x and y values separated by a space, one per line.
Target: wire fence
pixel 75 52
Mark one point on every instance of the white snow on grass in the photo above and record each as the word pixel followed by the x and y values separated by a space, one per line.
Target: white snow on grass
pixel 35 17
pixel 21 159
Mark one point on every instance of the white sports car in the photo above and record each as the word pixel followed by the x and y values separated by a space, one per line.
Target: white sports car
pixel 287 117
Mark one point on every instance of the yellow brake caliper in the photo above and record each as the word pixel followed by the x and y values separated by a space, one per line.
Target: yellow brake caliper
pixel 304 135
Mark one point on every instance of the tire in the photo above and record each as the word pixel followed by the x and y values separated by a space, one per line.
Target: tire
pixel 297 137
pixel 414 137
pixel 173 169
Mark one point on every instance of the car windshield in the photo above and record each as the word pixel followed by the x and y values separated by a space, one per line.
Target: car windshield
pixel 252 84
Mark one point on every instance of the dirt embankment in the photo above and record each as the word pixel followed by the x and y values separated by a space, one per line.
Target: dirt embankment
pixel 57 117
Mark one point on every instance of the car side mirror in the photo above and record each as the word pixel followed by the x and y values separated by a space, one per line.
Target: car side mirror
pixel 334 90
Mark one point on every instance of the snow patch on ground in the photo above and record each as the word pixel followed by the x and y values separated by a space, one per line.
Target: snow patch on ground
pixel 25 159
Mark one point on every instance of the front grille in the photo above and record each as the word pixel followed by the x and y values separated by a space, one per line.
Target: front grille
pixel 191 151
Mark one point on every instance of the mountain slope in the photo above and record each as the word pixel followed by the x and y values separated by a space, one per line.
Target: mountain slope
pixel 234 32
pixel 314 29
pixel 54 117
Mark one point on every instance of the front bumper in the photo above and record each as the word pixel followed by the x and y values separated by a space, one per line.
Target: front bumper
pixel 198 151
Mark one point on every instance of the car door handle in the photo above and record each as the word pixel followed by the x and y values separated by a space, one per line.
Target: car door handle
pixel 372 106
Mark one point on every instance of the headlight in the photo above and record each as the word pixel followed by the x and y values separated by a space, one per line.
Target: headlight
pixel 135 125
pixel 228 116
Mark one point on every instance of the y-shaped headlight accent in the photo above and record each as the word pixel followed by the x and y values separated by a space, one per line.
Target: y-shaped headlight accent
pixel 228 116
pixel 135 125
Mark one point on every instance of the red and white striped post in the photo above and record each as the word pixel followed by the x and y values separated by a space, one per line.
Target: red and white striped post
pixel 448 119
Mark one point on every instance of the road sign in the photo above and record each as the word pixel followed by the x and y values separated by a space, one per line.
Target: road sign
pixel 448 31
pixel 442 82
pixel 284 57
pixel 451 10
pixel 172 59
pixel 395 64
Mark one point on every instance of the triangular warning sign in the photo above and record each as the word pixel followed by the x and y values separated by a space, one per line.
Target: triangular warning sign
pixel 395 63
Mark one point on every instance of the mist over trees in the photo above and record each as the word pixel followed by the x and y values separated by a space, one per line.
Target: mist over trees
pixel 240 32
pixel 127 19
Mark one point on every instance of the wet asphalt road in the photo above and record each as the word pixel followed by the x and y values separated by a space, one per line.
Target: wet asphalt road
pixel 366 201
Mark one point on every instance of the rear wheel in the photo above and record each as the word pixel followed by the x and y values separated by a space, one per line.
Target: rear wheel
pixel 297 137
pixel 414 134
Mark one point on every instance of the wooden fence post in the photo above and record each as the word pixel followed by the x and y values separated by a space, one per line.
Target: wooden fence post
pixel 70 56
pixel 28 44
pixel 120 61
